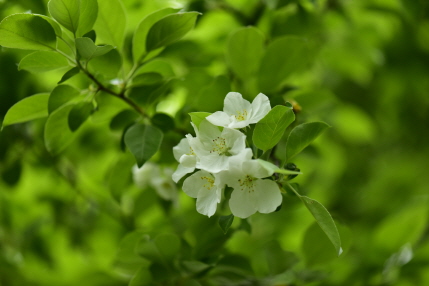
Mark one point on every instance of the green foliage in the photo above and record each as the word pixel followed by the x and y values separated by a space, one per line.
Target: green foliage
pixel 143 141
pixel 116 80
pixel 30 108
pixel 42 61
pixel 27 32
pixel 270 129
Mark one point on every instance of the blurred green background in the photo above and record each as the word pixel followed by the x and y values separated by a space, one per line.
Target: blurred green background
pixel 366 74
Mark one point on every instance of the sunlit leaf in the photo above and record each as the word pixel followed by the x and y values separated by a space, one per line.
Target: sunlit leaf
pixel 69 74
pixel 197 117
pixel 60 95
pixel 27 32
pixel 140 34
pixel 88 50
pixel 79 114
pixel 43 61
pixel 111 23
pixel 29 108
pixel 170 29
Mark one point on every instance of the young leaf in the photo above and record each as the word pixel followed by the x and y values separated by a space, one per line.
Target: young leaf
pixel 69 74
pixel 244 51
pixel 225 222
pixel 27 32
pixel 57 133
pixel 302 135
pixel 60 95
pixel 170 29
pixel 88 50
pixel 139 39
pixel 269 130
pixel 42 61
pixel 78 115
pixel 66 12
pixel 29 108
pixel 111 22
pixel 282 58
pixel 325 221
pixel 143 141
pixel 197 117
pixel 274 169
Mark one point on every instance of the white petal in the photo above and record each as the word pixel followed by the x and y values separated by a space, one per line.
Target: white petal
pixel 255 169
pixel 214 163
pixel 208 132
pixel 242 203
pixel 207 201
pixel 182 148
pixel 260 108
pixel 188 161
pixel 235 140
pixel 239 124
pixel 219 118
pixel 268 196
pixel 235 104
pixel 143 175
pixel 236 162
pixel 200 181
pixel 180 172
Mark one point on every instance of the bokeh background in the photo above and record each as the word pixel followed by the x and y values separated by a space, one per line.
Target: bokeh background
pixel 73 219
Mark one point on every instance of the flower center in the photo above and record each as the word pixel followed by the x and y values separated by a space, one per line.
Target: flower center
pixel 219 146
pixel 191 151
pixel 209 184
pixel 247 183
pixel 241 115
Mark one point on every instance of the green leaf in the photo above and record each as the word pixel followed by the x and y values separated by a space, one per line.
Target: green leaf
pixel 162 249
pixel 269 130
pixel 88 50
pixel 29 108
pixel 325 221
pixel 274 169
pixel 278 260
pixel 163 121
pixel 53 23
pixel 170 29
pixel 107 65
pixel 69 74
pixel 282 58
pixel 57 133
pixel 74 15
pixel 139 39
pixel 148 78
pixel 79 114
pixel 66 12
pixel 316 246
pixel 142 277
pixel 119 176
pixel 244 51
pixel 111 22
pixel 60 95
pixel 302 135
pixel 197 117
pixel 43 61
pixel 88 16
pixel 123 119
pixel 143 141
pixel 27 32
pixel 225 222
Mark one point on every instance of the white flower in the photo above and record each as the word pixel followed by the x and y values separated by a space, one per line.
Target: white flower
pixel 214 147
pixel 206 189
pixel 152 175
pixel 185 155
pixel 251 193
pixel 239 113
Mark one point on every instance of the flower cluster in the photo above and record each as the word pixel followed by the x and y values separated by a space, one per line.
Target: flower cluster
pixel 221 158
